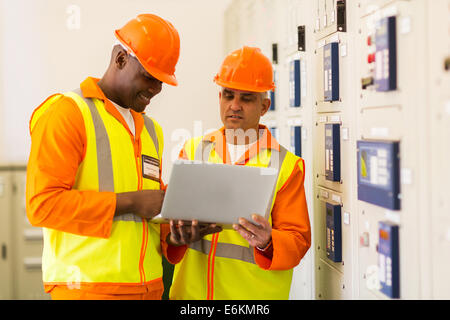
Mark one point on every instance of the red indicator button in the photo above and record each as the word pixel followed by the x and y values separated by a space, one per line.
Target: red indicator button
pixel 371 58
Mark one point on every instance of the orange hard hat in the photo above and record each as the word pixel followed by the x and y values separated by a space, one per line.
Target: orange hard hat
pixel 155 43
pixel 246 69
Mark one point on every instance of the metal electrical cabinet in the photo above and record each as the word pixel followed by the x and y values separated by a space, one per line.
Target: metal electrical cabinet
pixel 23 246
pixel 377 73
pixel 296 66
pixel 332 239
pixel 334 113
pixel 392 139
pixel 28 244
pixel 6 265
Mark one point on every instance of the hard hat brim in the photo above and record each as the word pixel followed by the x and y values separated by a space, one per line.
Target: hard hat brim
pixel 243 87
pixel 161 76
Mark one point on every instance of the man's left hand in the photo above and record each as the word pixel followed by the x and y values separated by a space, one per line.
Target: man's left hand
pixel 257 235
pixel 186 232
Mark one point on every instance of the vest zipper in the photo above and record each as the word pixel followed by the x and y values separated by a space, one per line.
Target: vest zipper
pixel 144 228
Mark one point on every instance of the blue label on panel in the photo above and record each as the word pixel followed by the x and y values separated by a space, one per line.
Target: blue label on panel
pixel 386 55
pixel 272 95
pixel 331 71
pixel 378 173
pixel 333 236
pixel 294 83
pixel 272 101
pixel 388 259
pixel 332 152
pixel 296 140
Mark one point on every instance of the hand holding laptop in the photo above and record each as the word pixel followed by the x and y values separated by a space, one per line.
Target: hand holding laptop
pixel 258 233
pixel 185 232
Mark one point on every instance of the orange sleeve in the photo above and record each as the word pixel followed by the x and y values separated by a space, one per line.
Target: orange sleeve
pixel 173 254
pixel 58 143
pixel 291 229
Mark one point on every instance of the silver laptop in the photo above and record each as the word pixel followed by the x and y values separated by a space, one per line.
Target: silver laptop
pixel 217 193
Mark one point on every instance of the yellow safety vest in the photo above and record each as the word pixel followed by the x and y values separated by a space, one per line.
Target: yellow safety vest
pixel 132 253
pixel 222 265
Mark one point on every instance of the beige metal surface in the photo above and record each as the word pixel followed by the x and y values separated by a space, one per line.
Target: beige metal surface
pixel 21 273
pixel 5 234
pixel 436 271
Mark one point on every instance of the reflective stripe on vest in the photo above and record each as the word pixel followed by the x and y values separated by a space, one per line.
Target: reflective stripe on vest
pixel 228 250
pixel 131 254
pixel 225 250
pixel 104 159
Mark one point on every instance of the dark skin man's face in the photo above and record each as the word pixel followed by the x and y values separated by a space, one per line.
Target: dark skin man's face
pixel 137 86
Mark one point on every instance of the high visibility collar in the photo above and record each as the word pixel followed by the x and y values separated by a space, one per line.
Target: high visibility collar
pixel 266 141
pixel 90 89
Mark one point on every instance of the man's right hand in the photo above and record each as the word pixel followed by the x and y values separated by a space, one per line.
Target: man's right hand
pixel 143 203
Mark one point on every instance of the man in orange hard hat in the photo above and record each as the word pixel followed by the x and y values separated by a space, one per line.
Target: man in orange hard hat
pixel 256 259
pixel 94 175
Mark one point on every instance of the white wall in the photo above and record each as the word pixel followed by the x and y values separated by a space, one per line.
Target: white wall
pixel 51 46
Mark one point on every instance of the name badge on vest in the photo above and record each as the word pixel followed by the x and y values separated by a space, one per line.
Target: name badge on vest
pixel 150 168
